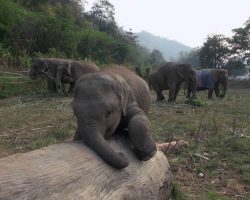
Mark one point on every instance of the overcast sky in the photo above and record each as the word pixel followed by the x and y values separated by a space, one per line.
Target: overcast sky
pixel 187 21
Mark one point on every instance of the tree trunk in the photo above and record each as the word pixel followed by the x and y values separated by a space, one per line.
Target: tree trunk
pixel 73 171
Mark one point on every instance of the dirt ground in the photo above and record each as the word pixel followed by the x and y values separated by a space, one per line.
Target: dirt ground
pixel 219 131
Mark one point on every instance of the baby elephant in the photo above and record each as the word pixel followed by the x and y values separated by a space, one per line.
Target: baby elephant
pixel 112 99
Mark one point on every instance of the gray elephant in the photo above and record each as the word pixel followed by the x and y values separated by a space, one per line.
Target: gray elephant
pixel 112 101
pixel 170 76
pixel 59 71
pixel 211 79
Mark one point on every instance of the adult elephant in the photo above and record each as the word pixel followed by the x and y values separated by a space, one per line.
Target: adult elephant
pixel 59 71
pixel 170 76
pixel 108 102
pixel 211 79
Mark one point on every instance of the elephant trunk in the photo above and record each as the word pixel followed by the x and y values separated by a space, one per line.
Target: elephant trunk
pixel 95 140
pixel 192 87
pixel 194 90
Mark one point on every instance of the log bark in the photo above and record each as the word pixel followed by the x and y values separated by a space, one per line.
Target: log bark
pixel 73 171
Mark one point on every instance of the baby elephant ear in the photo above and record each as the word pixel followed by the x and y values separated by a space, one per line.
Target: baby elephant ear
pixel 122 91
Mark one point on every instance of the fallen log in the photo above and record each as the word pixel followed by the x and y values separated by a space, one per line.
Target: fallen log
pixel 73 171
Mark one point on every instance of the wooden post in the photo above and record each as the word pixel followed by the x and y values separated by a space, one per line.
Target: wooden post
pixel 73 171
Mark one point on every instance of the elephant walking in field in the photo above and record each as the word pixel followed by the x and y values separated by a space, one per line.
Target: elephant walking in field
pixel 59 71
pixel 211 79
pixel 170 76
pixel 110 100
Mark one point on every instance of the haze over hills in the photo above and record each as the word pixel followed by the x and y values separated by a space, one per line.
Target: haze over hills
pixel 169 48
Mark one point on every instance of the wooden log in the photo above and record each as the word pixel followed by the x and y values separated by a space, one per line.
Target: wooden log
pixel 73 171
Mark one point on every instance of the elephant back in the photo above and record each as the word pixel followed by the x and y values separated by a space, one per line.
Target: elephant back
pixel 137 85
pixel 79 68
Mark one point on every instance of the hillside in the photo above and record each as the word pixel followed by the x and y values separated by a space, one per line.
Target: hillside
pixel 169 48
pixel 42 28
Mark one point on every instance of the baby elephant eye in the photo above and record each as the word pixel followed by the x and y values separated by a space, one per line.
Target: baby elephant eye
pixel 108 113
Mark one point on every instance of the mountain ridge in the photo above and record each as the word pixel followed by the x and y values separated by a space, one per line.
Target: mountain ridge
pixel 169 48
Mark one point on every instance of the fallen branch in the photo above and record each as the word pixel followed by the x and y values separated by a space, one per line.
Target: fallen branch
pixel 173 146
pixel 201 156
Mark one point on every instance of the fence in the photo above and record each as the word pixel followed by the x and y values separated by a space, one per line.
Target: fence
pixel 12 64
pixel 19 83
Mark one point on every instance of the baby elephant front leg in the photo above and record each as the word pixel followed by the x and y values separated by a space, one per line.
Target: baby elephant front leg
pixel 141 138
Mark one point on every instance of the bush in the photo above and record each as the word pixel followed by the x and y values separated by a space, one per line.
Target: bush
pixel 195 102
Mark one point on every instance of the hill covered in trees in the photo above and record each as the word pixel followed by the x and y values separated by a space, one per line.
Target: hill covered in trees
pixel 62 28
pixel 169 48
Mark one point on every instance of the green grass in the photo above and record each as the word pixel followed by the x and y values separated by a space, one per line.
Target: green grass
pixel 20 86
pixel 52 137
pixel 177 194
pixel 220 130
pixel 215 196
pixel 196 102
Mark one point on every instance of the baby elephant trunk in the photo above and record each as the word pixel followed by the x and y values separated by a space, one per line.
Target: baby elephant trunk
pixel 95 140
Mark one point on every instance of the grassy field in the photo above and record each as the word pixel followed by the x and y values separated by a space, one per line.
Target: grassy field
pixel 214 166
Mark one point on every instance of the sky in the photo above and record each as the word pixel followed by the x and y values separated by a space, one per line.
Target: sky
pixel 186 21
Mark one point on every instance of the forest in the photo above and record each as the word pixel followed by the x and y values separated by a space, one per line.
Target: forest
pixel 36 28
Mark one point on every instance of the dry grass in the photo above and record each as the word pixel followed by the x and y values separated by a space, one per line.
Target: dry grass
pixel 219 130
pixel 29 121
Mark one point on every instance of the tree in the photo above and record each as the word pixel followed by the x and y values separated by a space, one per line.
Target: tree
pixel 130 36
pixel 156 57
pixel 235 67
pixel 102 13
pixel 214 52
pixel 241 41
pixel 191 58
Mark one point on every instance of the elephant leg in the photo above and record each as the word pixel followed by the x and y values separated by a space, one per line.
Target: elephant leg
pixel 210 93
pixel 216 89
pixel 139 134
pixel 171 97
pixel 51 85
pixel 71 87
pixel 63 88
pixel 189 91
pixel 177 89
pixel 160 96
pixel 188 94
pixel 158 91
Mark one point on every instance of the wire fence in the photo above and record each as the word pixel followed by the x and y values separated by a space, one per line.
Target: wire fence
pixel 18 77
pixel 13 63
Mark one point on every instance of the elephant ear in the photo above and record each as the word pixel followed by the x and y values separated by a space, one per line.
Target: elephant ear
pixel 45 65
pixel 180 71
pixel 122 91
pixel 68 69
